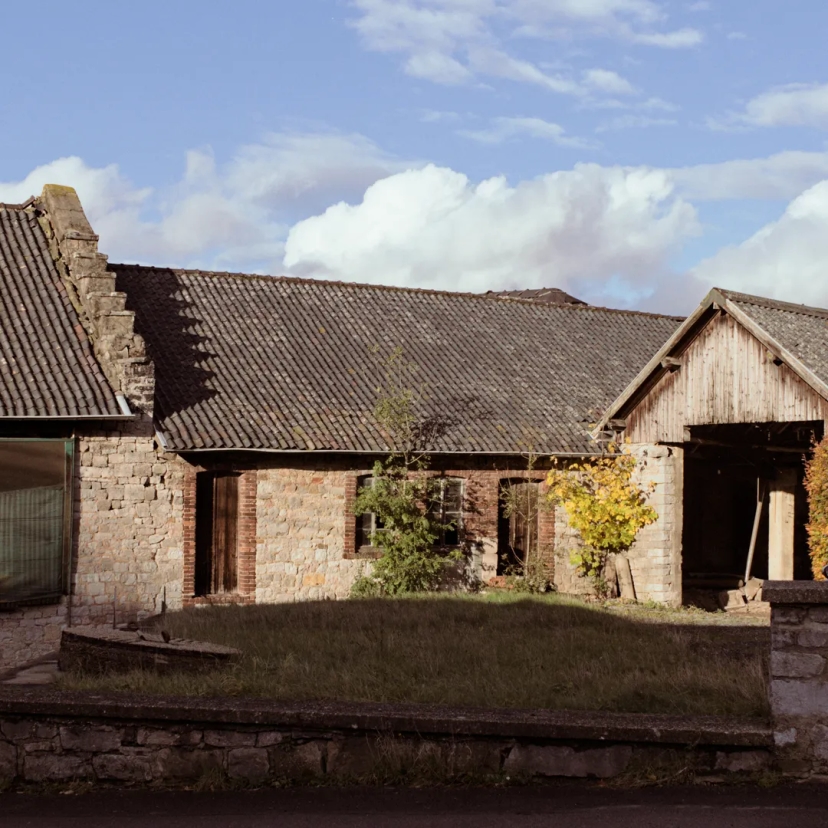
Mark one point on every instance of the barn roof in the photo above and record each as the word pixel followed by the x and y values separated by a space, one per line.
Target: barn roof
pixel 797 335
pixel 47 368
pixel 256 362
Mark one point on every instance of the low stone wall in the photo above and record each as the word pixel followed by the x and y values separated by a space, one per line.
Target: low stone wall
pixel 799 678
pixel 29 633
pixel 101 650
pixel 51 736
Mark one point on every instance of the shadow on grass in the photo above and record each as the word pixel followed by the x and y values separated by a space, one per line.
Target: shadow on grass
pixel 546 652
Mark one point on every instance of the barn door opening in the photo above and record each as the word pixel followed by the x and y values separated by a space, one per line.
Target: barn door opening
pixel 217 517
pixel 517 525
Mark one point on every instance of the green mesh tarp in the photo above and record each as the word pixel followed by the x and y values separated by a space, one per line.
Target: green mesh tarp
pixel 31 543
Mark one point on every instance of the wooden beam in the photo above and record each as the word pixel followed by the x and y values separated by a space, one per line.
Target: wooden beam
pixel 781 529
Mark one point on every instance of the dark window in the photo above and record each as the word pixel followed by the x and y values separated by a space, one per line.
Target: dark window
pixel 446 510
pixel 217 520
pixel 517 528
pixel 35 519
pixel 368 523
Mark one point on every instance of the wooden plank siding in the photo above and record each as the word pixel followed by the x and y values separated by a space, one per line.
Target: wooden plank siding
pixel 726 376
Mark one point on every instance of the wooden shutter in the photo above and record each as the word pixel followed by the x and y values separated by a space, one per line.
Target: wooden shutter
pixel 225 532
pixel 217 520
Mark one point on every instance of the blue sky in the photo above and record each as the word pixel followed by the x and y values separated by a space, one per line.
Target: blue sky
pixel 634 152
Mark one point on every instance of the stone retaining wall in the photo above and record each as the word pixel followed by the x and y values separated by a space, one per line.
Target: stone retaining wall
pixel 62 737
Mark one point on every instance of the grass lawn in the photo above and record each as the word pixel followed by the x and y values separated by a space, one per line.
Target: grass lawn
pixel 484 651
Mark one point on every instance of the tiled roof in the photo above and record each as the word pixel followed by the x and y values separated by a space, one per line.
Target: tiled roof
pixel 259 362
pixel 800 330
pixel 47 368
pixel 554 296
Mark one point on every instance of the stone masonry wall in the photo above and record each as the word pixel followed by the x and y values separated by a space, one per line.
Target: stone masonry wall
pixel 128 528
pixel 300 544
pixel 655 557
pixel 30 633
pixel 267 744
pixel 306 530
pixel 799 674
pixel 126 550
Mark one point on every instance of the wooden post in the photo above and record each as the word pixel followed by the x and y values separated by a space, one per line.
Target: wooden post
pixel 760 500
pixel 626 587
pixel 781 529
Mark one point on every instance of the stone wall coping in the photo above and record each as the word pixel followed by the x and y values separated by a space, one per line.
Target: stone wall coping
pixel 795 592
pixel 396 718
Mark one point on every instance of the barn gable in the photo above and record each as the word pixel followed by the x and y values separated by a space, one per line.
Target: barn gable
pixel 737 359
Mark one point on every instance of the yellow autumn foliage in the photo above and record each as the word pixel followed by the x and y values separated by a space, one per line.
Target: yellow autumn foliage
pixel 816 483
pixel 603 504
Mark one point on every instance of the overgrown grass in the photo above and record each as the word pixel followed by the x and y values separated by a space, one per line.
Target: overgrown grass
pixel 514 652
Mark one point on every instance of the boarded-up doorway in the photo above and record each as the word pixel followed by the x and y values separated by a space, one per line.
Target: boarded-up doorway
pixel 517 524
pixel 217 517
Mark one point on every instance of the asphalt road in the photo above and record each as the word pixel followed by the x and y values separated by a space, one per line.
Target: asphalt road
pixel 572 806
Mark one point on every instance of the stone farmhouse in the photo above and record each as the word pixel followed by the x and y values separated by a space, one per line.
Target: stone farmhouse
pixel 175 438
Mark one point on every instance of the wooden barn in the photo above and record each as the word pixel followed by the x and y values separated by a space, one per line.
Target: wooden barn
pixel 736 397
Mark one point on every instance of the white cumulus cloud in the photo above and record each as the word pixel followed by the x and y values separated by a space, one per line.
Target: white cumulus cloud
pixel 787 259
pixel 578 230
pixel 233 216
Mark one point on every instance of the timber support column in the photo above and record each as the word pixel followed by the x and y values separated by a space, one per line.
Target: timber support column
pixel 782 523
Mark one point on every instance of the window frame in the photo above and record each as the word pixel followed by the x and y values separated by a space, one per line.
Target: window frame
pixel 365 549
pixel 67 524
pixel 440 517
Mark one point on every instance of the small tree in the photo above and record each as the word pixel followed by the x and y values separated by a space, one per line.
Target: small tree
pixel 603 505
pixel 816 484
pixel 400 493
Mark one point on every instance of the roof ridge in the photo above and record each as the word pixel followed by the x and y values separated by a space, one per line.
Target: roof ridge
pixel 393 288
pixel 27 203
pixel 764 301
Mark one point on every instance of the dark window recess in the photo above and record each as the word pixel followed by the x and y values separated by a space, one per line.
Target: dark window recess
pixel 368 523
pixel 35 520
pixel 217 521
pixel 446 511
pixel 517 523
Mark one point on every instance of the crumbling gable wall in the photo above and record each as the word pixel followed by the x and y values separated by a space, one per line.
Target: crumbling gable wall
pixel 128 505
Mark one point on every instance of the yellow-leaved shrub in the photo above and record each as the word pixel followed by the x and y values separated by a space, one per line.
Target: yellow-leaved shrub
pixel 603 504
pixel 816 483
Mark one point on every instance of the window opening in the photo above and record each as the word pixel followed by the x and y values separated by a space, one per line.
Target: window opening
pixel 517 529
pixel 368 523
pixel 446 510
